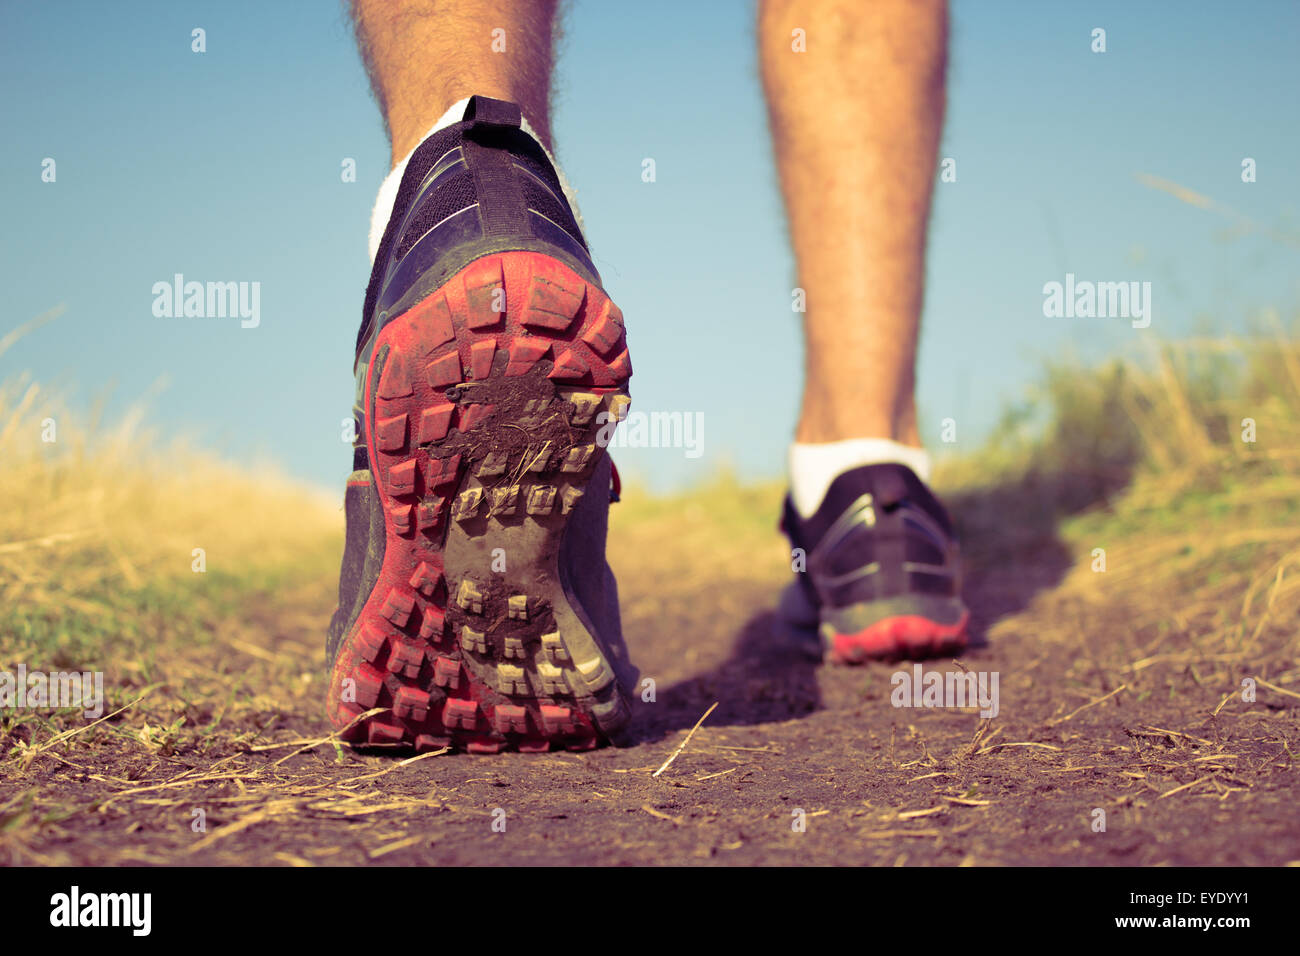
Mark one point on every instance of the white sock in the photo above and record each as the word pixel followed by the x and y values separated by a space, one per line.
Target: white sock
pixel 388 189
pixel 814 467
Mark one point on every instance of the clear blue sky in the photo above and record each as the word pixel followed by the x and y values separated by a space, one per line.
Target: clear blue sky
pixel 225 166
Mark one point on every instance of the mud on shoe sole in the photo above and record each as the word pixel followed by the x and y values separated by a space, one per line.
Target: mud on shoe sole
pixel 488 406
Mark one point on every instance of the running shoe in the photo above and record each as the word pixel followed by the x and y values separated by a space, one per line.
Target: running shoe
pixel 879 569
pixel 476 609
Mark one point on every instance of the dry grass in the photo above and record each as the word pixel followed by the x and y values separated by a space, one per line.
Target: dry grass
pixel 1184 465
pixel 99 572
pixel 106 506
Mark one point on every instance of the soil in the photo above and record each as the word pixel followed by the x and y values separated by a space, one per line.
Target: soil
pixel 799 763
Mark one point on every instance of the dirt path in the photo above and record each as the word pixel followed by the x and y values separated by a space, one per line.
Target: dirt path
pixel 797 764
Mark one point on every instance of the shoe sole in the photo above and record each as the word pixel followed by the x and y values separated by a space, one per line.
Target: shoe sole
pixel 488 407
pixel 901 636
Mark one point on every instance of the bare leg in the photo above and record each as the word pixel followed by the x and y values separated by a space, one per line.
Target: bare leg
pixel 424 55
pixel 856 122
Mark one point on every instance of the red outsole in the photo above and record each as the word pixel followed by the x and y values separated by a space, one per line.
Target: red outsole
pixel 907 636
pixel 403 653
